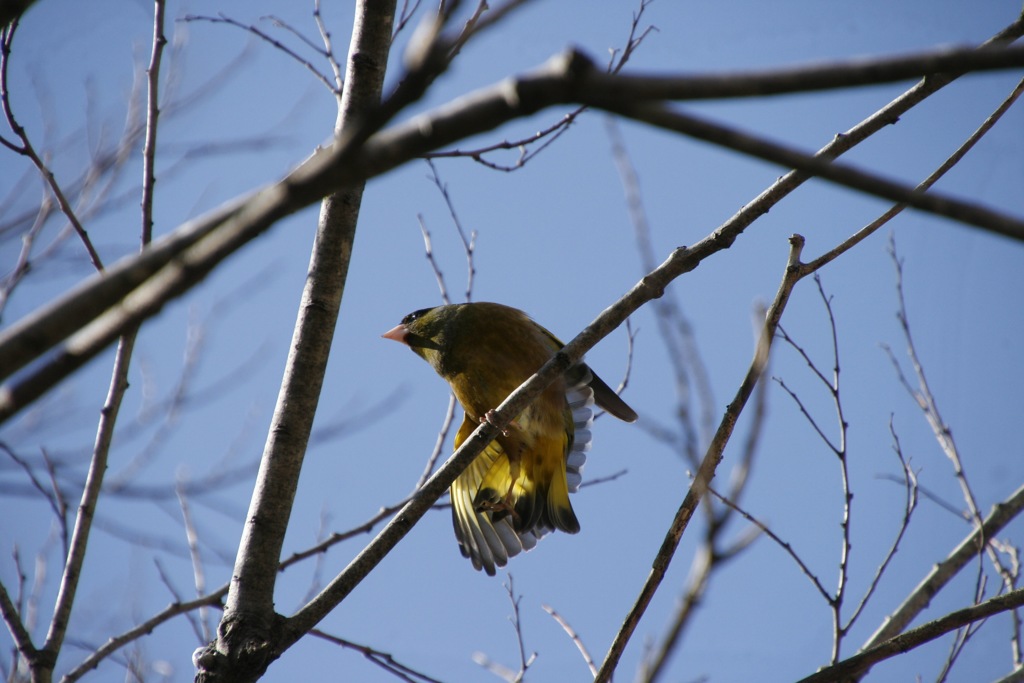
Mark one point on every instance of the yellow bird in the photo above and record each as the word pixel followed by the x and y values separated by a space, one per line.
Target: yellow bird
pixel 518 488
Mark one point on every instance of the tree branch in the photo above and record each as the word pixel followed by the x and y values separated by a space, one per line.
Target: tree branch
pixel 859 663
pixel 709 464
pixel 1002 514
pixel 176 264
pixel 245 643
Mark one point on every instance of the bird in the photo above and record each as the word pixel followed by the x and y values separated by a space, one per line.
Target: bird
pixel 517 489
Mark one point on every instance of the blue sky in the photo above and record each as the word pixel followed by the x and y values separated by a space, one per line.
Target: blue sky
pixel 554 239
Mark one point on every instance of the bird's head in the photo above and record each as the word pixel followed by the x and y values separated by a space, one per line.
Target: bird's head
pixel 428 332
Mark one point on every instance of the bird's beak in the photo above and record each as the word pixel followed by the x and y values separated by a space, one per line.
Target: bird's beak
pixel 397 333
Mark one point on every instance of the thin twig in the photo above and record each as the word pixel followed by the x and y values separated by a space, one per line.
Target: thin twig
pixel 146 627
pixel 549 134
pixel 468 241
pixel 26 148
pixel 706 472
pixel 785 545
pixel 382 659
pixel 910 504
pixel 926 184
pixel 575 637
pixel 428 251
pixel 222 18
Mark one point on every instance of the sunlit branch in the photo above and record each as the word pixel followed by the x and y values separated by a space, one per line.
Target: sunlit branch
pixel 706 472
pixel 859 663
pixel 357 156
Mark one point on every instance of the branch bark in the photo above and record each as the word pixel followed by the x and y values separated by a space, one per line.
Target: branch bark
pixel 859 663
pixel 135 289
pixel 247 640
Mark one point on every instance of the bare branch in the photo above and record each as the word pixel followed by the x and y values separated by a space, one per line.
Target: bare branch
pixel 785 545
pixel 384 660
pixel 26 148
pixel 859 663
pixel 967 212
pixel 198 571
pixel 706 472
pixel 468 242
pixel 353 158
pixel 115 643
pixel 428 249
pixel 910 504
pixel 577 641
pixel 1001 515
pixel 925 185
pixel 22 638
pixel 548 135
pixel 501 671
pixel 244 637
pixel 222 18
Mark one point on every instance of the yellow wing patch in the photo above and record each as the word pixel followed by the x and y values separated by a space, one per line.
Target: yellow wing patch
pixel 501 506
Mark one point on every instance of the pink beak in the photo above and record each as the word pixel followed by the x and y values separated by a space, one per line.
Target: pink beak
pixel 397 333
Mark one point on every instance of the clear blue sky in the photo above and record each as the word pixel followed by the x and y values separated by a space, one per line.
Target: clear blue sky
pixel 554 239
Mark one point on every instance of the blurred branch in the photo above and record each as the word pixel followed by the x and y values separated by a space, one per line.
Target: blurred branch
pixel 858 664
pixel 46 657
pixel 198 570
pixel 925 185
pixel 675 330
pixel 677 335
pixel 867 182
pixel 712 458
pixel 26 148
pixel 178 262
pixel 11 10
pixel 52 494
pixel 500 670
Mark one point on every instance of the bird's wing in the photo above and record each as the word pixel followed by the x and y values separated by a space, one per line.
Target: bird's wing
pixel 486 543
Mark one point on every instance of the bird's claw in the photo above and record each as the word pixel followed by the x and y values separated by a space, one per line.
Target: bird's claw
pixel 489 419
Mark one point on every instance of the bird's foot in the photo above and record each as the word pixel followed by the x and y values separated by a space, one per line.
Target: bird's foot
pixel 489 419
pixel 499 509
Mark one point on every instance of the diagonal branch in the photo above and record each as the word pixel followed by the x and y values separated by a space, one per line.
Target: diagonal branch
pixel 860 662
pixel 816 165
pixel 706 471
pixel 99 309
pixel 1001 515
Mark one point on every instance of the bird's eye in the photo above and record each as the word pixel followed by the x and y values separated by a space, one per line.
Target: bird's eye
pixel 415 315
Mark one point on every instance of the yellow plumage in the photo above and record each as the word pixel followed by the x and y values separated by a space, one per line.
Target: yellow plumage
pixel 517 489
